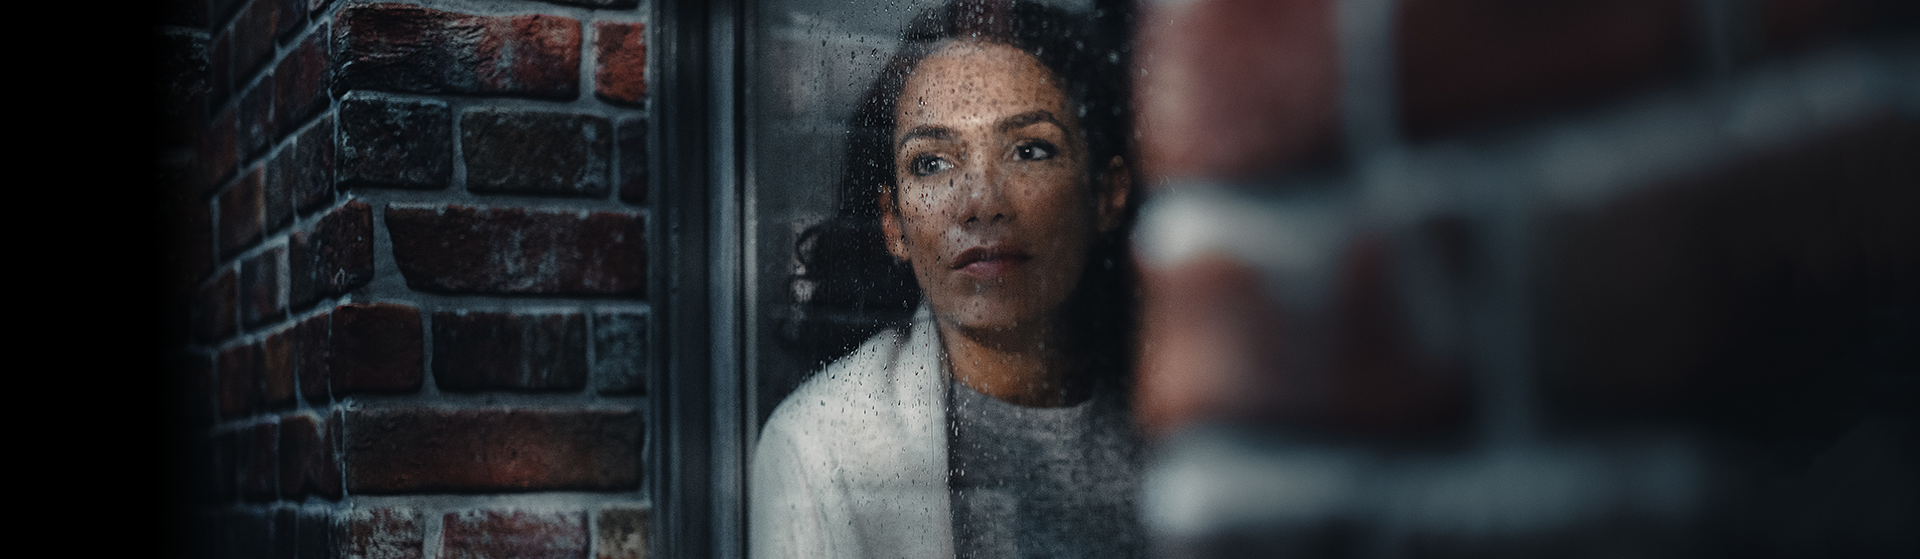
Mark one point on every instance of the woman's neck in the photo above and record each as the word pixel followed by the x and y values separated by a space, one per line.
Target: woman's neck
pixel 1035 371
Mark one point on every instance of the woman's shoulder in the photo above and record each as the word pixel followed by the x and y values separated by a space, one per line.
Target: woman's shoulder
pixel 855 458
pixel 801 502
pixel 895 376
pixel 822 397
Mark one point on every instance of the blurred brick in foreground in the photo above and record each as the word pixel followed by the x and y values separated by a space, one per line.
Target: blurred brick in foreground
pixel 1468 63
pixel 1236 88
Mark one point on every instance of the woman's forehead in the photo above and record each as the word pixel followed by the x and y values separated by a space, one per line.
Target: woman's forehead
pixel 978 83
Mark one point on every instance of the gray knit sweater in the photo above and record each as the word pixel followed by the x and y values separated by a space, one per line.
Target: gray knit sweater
pixel 1043 482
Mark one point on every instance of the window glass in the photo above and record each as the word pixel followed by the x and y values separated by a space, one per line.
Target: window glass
pixel 811 62
pixel 938 202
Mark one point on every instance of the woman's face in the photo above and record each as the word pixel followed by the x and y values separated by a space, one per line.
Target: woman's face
pixel 993 205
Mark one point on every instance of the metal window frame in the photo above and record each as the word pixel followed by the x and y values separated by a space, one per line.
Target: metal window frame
pixel 697 445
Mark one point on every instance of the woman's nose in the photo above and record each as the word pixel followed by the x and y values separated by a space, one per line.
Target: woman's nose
pixel 984 194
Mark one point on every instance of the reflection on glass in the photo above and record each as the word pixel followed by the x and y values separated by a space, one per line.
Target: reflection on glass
pixel 967 305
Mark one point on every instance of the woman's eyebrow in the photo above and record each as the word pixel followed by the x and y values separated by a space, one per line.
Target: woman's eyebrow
pixel 923 131
pixel 1029 118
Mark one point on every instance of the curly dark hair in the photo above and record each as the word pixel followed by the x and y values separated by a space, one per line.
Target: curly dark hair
pixel 848 287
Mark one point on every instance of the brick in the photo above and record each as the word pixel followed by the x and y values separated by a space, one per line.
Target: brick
pixel 620 352
pixel 259 461
pixel 622 533
pixel 216 152
pixel 633 159
pixel 379 533
pixel 312 187
pixel 1214 333
pixel 541 153
pixel 416 450
pixel 216 309
pixel 180 63
pixel 1475 63
pixel 260 291
pixel 213 533
pixel 1729 294
pixel 1381 381
pixel 395 144
pixel 513 250
pixel 514 533
pixel 310 340
pixel 190 242
pixel 411 49
pixel 375 348
pixel 177 164
pixel 199 398
pixel 277 362
pixel 240 213
pixel 300 441
pixel 224 470
pixel 307 461
pixel 336 429
pixel 1786 25
pixel 176 313
pixel 222 10
pixel 1206 325
pixel 277 190
pixel 191 13
pixel 600 3
pixel 219 150
pixel 220 69
pixel 620 61
pixel 1237 88
pixel 492 351
pixel 289 15
pixel 300 81
pixel 324 477
pixel 333 257
pixel 284 530
pixel 239 379
pixel 253 31
pixel 246 533
pixel 202 533
pixel 313 538
pixel 177 171
pixel 258 126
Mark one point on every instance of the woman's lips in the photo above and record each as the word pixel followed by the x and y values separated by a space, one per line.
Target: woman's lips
pixel 990 261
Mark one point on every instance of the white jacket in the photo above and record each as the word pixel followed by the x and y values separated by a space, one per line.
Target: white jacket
pixel 854 462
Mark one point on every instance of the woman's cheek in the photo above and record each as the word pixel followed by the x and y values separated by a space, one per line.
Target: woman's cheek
pixel 923 230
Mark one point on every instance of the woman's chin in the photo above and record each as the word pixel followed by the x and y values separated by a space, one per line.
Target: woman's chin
pixel 1004 320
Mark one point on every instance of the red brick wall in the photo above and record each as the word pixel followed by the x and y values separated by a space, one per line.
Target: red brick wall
pixel 406 274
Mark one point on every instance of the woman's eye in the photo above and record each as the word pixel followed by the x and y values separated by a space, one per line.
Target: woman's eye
pixel 1033 151
pixel 927 165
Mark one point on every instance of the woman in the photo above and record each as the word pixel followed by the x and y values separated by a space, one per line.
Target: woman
pixel 989 192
